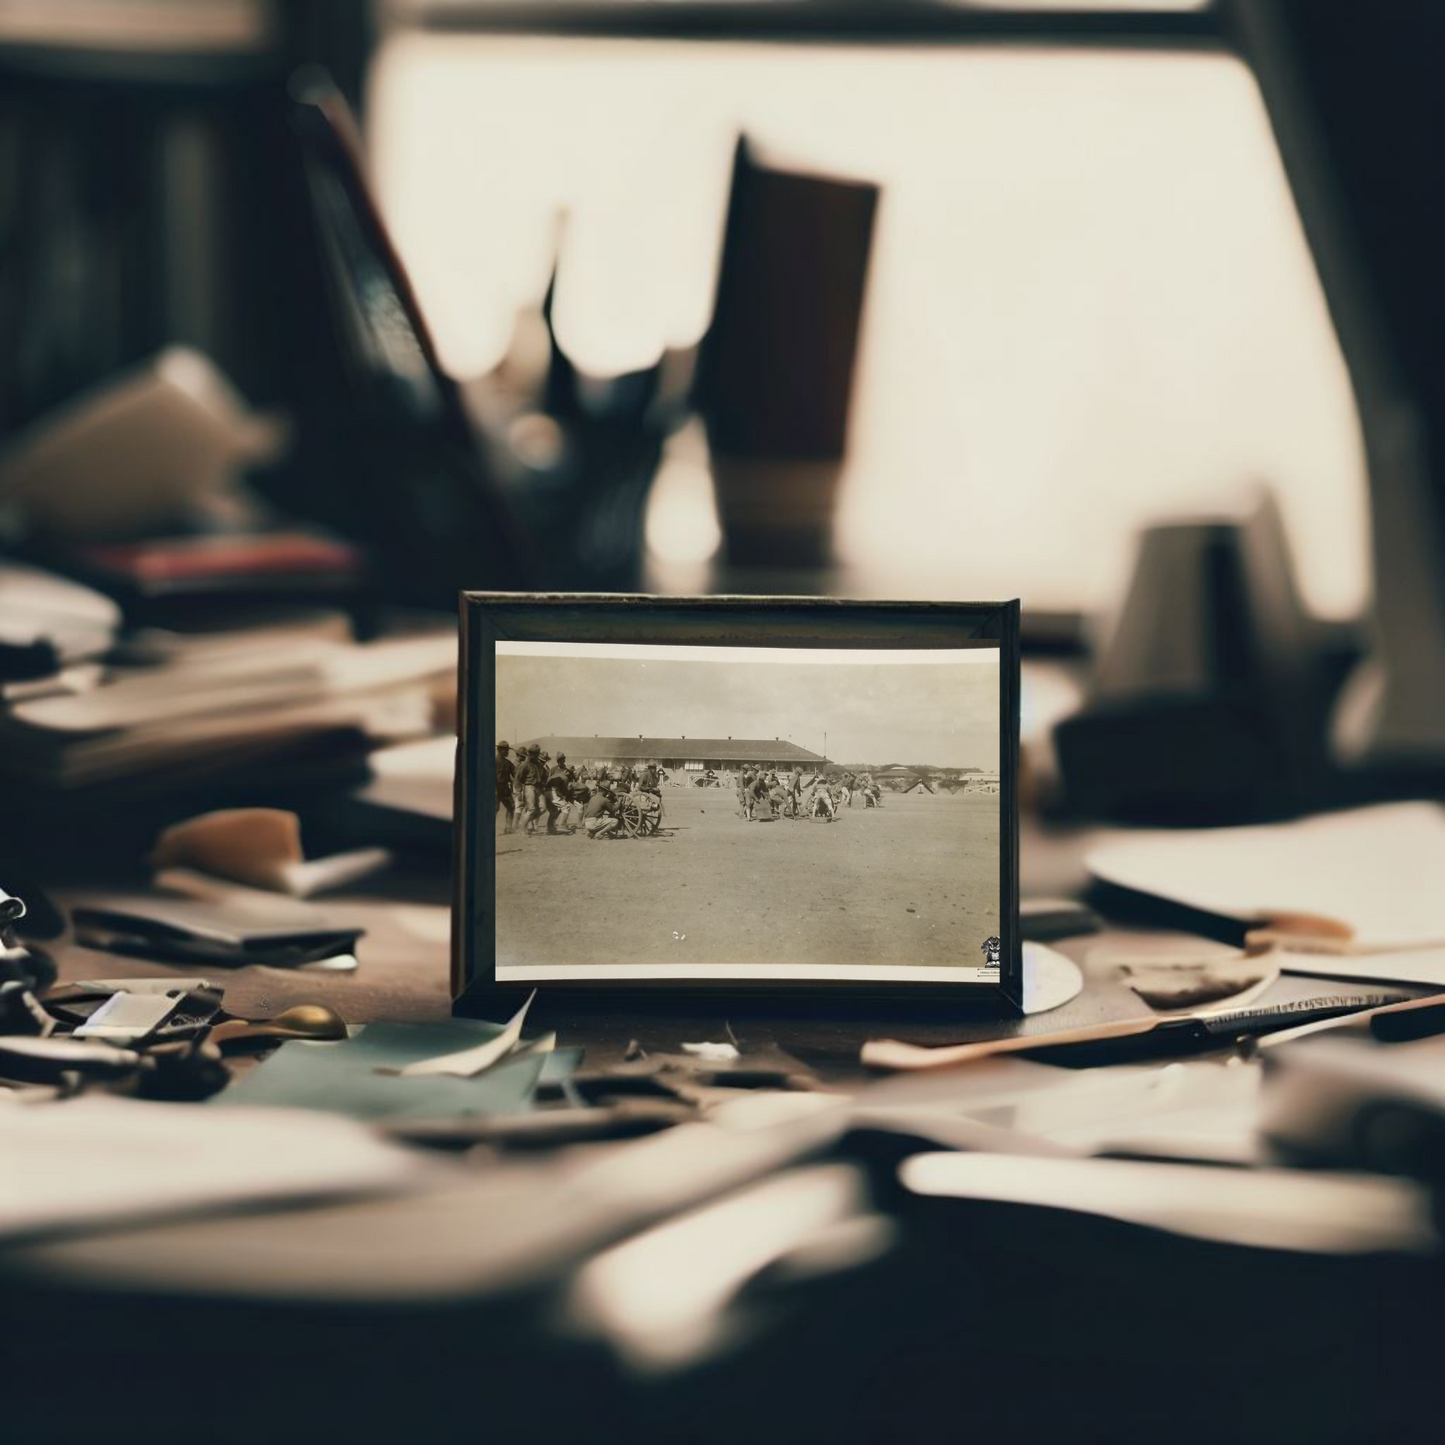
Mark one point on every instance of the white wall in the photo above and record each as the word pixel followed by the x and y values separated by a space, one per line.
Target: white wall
pixel 1090 304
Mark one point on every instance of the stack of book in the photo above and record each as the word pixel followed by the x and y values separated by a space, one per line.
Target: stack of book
pixel 175 716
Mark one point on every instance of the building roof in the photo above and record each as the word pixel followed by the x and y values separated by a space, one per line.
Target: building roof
pixel 743 750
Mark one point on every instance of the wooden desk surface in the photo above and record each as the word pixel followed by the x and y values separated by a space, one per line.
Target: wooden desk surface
pixel 1024 1324
pixel 403 975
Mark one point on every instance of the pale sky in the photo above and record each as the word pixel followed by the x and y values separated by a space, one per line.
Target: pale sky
pixel 940 713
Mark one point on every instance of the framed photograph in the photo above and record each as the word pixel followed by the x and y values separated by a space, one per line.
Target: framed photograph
pixel 748 796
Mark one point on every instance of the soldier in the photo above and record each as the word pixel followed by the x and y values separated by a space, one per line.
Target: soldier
pixel 505 782
pixel 532 782
pixel 820 798
pixel 760 803
pixel 599 817
pixel 559 784
pixel 648 782
pixel 795 792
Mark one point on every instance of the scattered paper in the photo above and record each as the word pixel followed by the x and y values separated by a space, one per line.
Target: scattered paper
pixel 1050 978
pixel 468 1063
pixel 713 1053
pixel 1282 1209
pixel 98 1162
pixel 1195 1109
pixel 364 1076
pixel 1173 986
pixel 1365 875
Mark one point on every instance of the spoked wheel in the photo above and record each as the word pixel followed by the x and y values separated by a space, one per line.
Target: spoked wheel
pixel 637 821
pixel 632 816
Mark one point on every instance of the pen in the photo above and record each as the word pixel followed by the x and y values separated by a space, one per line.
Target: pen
pixel 1124 1039
pixel 1411 1018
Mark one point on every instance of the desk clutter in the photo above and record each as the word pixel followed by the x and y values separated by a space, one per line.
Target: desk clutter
pixel 1277 1086
pixel 113 724
pixel 1040 1119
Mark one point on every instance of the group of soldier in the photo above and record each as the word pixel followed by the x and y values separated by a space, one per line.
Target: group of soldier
pixel 762 794
pixel 538 785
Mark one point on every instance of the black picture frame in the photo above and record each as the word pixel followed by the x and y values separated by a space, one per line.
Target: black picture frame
pixel 724 621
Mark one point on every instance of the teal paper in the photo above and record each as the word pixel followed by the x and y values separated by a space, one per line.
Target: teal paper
pixel 343 1076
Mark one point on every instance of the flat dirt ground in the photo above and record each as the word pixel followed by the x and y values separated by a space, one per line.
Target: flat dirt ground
pixel 913 882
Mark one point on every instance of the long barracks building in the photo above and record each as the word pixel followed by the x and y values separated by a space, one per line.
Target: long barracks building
pixel 692 754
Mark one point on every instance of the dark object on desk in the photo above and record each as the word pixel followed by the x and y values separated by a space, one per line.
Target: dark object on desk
pixel 184 1006
pixel 776 368
pixel 406 476
pixel 21 1012
pixel 27 661
pixel 1348 1103
pixel 184 1072
pixel 1419 1019
pixel 21 963
pixel 1208 701
pixel 1170 1038
pixel 1353 101
pixel 46 1060
pixel 543 1129
pixel 207 575
pixel 231 934
pixel 31 968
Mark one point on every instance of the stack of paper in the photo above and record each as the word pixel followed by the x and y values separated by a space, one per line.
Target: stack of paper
pixel 222 705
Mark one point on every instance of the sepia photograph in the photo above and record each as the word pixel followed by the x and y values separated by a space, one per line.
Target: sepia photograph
pixel 747 813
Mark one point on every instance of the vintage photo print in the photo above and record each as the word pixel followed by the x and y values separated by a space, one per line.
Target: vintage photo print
pixel 747 813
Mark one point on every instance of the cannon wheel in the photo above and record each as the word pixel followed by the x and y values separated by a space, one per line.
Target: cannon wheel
pixel 637 822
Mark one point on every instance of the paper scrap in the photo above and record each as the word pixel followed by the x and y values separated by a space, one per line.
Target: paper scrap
pixel 714 1053
pixel 468 1063
pixel 1367 870
pixel 96 1162
pixel 1414 965
pixel 1285 1209
pixel 363 1076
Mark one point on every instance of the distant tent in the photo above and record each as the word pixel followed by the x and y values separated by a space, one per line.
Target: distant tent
pixel 921 786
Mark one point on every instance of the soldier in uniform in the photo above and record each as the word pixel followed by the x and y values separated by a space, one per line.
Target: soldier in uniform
pixel 760 802
pixel 795 791
pixel 820 797
pixel 532 782
pixel 599 818
pixel 506 777
pixel 559 783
